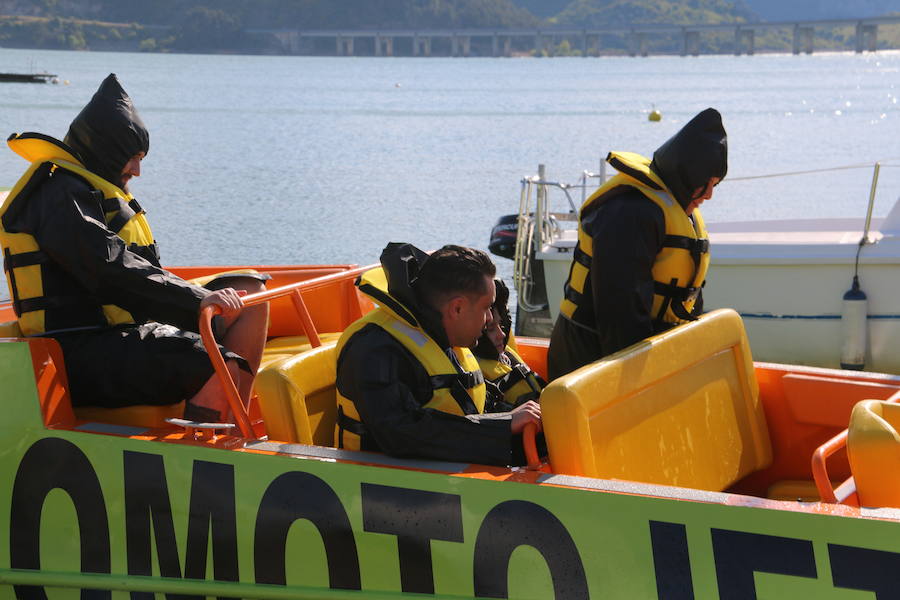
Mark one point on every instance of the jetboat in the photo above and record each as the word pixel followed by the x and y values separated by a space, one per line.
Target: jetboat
pixel 677 468
pixel 786 278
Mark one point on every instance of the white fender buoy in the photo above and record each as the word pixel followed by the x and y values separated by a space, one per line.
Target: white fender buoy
pixel 854 326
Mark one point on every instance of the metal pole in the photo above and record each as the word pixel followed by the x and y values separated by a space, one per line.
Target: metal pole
pixel 539 210
pixel 865 239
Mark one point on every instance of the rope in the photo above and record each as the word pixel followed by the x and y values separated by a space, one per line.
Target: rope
pixel 810 171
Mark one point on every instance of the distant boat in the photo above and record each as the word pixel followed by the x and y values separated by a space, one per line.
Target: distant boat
pixel 28 78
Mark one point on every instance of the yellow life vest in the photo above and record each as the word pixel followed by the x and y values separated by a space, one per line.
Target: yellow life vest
pixel 516 381
pixel 457 385
pixel 680 267
pixel 23 258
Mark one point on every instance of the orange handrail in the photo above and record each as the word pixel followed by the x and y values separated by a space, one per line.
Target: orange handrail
pixel 824 452
pixel 294 290
pixel 530 446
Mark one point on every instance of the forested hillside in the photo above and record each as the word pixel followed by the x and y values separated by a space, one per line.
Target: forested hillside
pixel 245 26
pixel 306 14
pixel 627 12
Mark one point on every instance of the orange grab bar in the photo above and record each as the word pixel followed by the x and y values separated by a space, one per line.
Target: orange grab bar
pixel 530 447
pixel 294 290
pixel 824 452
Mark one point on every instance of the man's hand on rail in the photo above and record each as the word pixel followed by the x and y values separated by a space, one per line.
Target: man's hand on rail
pixel 530 412
pixel 228 300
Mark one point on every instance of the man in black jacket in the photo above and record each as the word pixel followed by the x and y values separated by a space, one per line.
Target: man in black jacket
pixel 127 327
pixel 434 308
pixel 641 271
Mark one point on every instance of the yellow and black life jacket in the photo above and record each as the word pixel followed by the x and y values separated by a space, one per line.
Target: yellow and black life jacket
pixel 27 266
pixel 516 381
pixel 457 384
pixel 679 270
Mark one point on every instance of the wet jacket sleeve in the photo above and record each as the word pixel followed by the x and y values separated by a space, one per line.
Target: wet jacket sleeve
pixel 628 232
pixel 388 387
pixel 68 224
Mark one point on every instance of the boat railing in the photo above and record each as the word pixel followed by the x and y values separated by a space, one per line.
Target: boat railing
pixel 538 224
pixel 295 292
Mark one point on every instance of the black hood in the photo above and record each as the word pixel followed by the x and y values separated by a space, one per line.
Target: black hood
pixel 485 347
pixel 690 157
pixel 402 264
pixel 108 131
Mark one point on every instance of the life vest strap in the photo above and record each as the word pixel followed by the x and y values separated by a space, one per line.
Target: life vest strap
pixel 49 303
pixel 572 296
pixel 468 380
pixel 676 292
pixel 695 246
pixel 24 259
pixel 675 297
pixel 350 424
pixel 125 212
pixel 581 257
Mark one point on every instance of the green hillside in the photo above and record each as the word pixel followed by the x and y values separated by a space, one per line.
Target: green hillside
pixel 677 12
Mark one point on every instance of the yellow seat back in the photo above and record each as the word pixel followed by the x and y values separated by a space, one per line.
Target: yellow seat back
pixel 873 446
pixel 681 408
pixel 297 397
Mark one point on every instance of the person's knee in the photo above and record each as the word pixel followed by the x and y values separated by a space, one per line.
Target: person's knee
pixel 251 285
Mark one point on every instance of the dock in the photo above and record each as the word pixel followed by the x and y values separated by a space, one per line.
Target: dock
pixel 27 77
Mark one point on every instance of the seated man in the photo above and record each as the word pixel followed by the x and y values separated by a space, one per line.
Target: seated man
pixel 407 382
pixel 83 267
pixel 510 382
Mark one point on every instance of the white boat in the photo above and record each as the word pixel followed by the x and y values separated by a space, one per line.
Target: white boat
pixel 786 278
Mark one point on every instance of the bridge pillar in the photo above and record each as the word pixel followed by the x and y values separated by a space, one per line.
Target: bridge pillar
pixel 495 45
pixel 454 45
pixel 507 46
pixel 691 44
pixel 426 46
pixel 866 37
pixel 744 41
pixel 344 46
pixel 803 39
pixel 538 43
pixel 339 45
pixel 466 45
pixel 389 46
pixel 584 43
pixel 377 45
pixel 415 44
pixel 637 43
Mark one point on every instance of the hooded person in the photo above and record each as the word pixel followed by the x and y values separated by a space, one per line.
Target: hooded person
pixel 643 251
pixel 407 383
pixel 83 267
pixel 510 381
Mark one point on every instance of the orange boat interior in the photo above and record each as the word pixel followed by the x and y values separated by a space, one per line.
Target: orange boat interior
pixel 805 410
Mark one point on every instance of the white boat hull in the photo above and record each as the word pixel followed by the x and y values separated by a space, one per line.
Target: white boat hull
pixel 787 280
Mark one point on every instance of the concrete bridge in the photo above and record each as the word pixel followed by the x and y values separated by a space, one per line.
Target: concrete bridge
pixel 420 42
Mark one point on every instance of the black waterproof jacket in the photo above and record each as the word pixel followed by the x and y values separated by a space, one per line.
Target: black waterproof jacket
pixel 389 387
pixel 88 260
pixel 628 231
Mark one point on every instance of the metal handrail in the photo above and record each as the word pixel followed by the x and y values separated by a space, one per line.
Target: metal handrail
pixel 295 291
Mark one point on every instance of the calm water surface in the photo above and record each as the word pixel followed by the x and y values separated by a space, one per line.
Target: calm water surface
pixel 258 159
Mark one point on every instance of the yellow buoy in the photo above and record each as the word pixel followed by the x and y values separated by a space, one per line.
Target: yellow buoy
pixel 654 115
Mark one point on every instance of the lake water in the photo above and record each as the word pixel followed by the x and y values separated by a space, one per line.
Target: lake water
pixel 260 159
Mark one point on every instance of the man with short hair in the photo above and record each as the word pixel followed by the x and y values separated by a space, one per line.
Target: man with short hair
pixel 642 251
pixel 407 382
pixel 83 268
